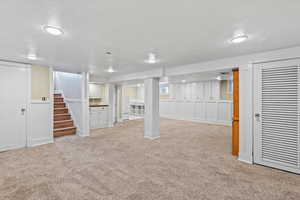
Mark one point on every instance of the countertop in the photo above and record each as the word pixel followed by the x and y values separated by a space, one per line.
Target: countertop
pixel 98 105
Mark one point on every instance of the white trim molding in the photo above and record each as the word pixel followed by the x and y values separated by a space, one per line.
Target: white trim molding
pixel 151 138
pixel 246 113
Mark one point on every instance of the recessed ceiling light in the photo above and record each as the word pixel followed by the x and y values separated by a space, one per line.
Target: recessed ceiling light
pixel 219 78
pixel 151 59
pixel 110 70
pixel 53 30
pixel 183 81
pixel 239 39
pixel 32 56
pixel 139 85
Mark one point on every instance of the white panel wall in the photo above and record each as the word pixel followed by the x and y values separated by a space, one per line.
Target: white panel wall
pixel 140 92
pixel 197 90
pixel 75 107
pixel 40 123
pixel 246 113
pixel 206 111
pixel 40 118
pixel 198 101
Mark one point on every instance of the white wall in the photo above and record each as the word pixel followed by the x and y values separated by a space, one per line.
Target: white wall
pixel 69 83
pixel 204 90
pixel 246 114
pixel 205 111
pixel 40 116
pixel 40 123
pixel 197 101
pixel 98 91
pixel 140 92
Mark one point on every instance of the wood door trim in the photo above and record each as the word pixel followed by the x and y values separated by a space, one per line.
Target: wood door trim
pixel 235 118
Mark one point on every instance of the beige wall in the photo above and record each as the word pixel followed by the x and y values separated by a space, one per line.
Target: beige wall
pixel 131 92
pixel 40 82
pixel 97 90
pixel 98 93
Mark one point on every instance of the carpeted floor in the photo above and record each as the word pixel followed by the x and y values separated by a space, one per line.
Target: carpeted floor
pixel 189 161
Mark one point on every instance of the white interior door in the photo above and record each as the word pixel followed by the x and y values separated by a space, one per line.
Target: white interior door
pixel 14 82
pixel 276 110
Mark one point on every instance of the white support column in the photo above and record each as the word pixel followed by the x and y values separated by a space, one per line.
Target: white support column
pixel 119 103
pixel 151 119
pixel 85 115
pixel 246 113
pixel 111 104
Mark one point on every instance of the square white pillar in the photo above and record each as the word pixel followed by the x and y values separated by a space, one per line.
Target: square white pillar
pixel 151 119
pixel 119 103
pixel 111 104
pixel 85 115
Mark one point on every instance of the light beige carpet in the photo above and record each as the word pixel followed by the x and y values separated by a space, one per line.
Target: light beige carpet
pixel 189 161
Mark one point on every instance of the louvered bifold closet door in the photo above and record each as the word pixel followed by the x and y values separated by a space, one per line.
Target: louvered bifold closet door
pixel 279 115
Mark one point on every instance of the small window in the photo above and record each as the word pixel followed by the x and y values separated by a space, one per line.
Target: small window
pixel 164 90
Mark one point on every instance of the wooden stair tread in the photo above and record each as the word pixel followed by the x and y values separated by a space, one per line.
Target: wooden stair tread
pixel 62 114
pixel 62 121
pixel 66 128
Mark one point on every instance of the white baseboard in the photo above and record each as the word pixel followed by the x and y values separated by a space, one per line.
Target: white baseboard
pixel 151 138
pixel 223 123
pixel 245 160
pixel 10 147
pixel 40 141
pixel 82 133
pixel 119 120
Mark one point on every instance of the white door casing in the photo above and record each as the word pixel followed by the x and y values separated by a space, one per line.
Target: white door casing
pixel 276 115
pixel 14 97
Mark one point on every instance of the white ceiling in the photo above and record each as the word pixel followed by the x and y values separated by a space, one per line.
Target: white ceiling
pixel 180 32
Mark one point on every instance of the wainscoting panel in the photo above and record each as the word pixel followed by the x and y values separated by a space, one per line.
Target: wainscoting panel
pixel 206 111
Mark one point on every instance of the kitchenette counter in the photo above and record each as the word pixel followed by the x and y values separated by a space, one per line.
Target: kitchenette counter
pixel 98 105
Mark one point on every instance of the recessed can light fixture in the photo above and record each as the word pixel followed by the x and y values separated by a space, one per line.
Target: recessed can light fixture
pixel 219 78
pixel 183 81
pixel 151 59
pixel 31 56
pixel 239 39
pixel 53 30
pixel 110 70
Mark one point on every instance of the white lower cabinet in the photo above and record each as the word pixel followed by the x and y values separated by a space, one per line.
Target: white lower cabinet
pixel 98 117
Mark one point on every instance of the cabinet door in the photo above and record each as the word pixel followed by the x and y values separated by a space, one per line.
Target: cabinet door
pixel 92 120
pixel 105 118
pixel 101 125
